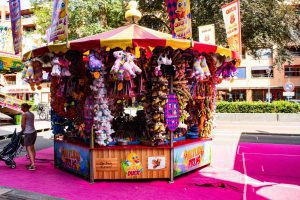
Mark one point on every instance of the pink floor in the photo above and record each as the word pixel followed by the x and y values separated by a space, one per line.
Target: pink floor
pixel 234 184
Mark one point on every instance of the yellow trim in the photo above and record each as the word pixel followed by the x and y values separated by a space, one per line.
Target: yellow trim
pixel 178 43
pixel 113 43
pixel 58 48
pixel 224 51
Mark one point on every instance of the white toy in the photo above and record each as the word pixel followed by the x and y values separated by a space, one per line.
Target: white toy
pixel 56 69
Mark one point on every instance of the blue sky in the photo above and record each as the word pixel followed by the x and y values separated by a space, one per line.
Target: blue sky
pixel 24 3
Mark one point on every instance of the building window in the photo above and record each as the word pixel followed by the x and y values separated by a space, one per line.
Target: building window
pixel 291 70
pixel 261 72
pixel 234 95
pixel 10 79
pixel 241 72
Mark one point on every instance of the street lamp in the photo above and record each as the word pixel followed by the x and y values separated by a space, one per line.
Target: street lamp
pixel 269 78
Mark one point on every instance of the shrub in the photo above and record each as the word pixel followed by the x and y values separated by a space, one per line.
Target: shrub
pixel 257 107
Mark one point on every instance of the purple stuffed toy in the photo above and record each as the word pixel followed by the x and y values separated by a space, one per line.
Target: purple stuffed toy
pixel 227 71
pixel 95 62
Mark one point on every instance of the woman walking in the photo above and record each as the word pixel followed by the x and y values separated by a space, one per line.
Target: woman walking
pixel 30 134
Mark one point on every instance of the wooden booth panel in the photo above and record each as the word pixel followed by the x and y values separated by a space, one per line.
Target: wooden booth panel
pixel 131 163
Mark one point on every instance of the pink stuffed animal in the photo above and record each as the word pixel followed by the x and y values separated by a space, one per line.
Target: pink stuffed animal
pixel 120 59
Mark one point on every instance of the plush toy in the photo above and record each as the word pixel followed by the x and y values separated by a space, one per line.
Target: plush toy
pixel 201 70
pixel 162 59
pixel 64 64
pixel 120 59
pixel 130 68
pixel 38 74
pixel 95 62
pixel 227 71
pixel 56 69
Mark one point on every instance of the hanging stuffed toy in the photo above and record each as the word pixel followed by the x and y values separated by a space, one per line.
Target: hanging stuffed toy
pixel 200 67
pixel 95 63
pixel 64 65
pixel 56 69
pixel 120 59
pixel 226 71
pixel 38 75
pixel 162 59
pixel 130 68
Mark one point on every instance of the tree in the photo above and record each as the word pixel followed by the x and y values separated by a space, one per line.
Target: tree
pixel 265 23
pixel 86 17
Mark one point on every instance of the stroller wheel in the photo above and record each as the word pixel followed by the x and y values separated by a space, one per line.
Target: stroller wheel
pixel 13 165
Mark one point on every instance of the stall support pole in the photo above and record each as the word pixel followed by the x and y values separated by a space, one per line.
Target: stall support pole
pixel 92 145
pixel 171 143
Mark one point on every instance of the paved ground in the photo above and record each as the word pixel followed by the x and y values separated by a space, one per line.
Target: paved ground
pixel 242 168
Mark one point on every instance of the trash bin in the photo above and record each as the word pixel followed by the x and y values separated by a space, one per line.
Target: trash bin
pixel 18 119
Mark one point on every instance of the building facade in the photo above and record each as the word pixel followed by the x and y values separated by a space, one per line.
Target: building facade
pixel 256 77
pixel 12 83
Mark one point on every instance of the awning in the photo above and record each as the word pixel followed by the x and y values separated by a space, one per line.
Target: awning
pixel 130 36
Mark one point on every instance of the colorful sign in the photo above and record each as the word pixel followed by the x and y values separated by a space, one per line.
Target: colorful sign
pixel 180 18
pixel 231 15
pixel 207 34
pixel 157 163
pixel 59 27
pixel 72 158
pixel 132 165
pixel 172 112
pixel 106 164
pixel 10 102
pixel 190 157
pixel 15 15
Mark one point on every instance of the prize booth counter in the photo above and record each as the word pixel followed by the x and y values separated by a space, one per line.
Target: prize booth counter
pixel 94 79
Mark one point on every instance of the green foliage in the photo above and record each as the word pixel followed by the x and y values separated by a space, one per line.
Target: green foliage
pixel 258 107
pixel 86 17
pixel 265 23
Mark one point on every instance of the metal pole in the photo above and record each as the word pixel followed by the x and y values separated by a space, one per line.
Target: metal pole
pixel 171 143
pixel 269 92
pixel 92 145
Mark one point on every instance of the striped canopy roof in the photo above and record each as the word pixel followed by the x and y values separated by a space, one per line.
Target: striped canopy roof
pixel 130 36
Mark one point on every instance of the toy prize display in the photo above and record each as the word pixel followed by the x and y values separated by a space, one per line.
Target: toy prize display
pixel 171 81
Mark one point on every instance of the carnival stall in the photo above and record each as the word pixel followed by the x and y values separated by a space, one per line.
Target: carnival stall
pixel 94 79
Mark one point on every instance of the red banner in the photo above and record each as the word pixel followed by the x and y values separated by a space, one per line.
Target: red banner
pixel 231 15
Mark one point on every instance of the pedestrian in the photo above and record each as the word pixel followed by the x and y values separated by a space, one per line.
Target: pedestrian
pixel 30 133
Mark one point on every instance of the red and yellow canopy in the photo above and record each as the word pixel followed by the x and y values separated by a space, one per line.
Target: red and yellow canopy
pixel 130 36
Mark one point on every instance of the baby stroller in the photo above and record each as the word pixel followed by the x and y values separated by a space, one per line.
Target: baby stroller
pixel 11 150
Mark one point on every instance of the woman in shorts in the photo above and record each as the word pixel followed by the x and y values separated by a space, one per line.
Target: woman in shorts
pixel 30 134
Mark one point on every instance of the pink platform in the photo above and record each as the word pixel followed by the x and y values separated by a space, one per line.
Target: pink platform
pixel 219 181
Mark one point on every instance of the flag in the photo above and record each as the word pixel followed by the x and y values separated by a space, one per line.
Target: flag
pixel 231 15
pixel 59 26
pixel 180 18
pixel 207 34
pixel 15 16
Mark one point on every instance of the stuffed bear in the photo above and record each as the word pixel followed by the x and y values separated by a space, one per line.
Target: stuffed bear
pixel 64 64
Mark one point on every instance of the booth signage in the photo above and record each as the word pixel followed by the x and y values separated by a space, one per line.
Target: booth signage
pixel 106 164
pixel 180 18
pixel 59 27
pixel 72 158
pixel 207 34
pixel 231 16
pixel 132 165
pixel 156 163
pixel 192 156
pixel 15 16
pixel 172 112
